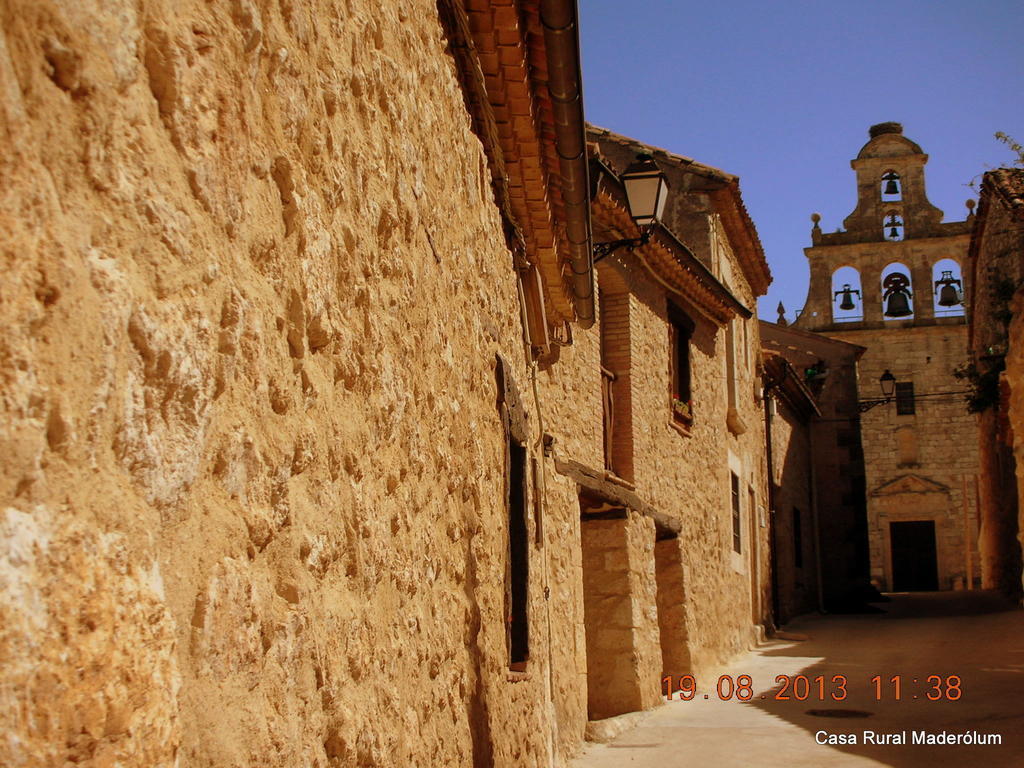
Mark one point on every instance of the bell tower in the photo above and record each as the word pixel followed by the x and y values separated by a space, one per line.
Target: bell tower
pixel 893 224
pixel 890 279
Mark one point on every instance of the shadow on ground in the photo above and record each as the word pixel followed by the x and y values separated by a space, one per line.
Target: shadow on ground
pixel 977 637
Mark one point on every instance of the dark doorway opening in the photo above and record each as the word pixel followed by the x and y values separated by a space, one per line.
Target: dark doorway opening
pixel 914 564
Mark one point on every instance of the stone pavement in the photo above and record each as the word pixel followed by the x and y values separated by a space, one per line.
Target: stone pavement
pixel 972 635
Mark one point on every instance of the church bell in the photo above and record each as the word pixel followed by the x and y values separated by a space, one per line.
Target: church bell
pixel 890 184
pixel 847 301
pixel 897 305
pixel 893 222
pixel 948 288
pixel 897 295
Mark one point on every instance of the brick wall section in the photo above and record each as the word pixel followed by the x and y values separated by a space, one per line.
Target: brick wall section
pixel 617 356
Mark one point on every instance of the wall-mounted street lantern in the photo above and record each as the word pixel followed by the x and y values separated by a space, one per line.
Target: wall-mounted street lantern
pixel 646 194
pixel 888 384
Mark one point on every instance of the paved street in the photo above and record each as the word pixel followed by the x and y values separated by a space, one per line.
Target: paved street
pixel 970 635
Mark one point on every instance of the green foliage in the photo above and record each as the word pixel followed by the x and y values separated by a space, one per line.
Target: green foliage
pixel 983 385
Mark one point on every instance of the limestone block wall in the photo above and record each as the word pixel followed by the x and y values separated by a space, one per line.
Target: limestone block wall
pixel 838 460
pixel 936 444
pixel 254 285
pixel 796 575
pixel 624 661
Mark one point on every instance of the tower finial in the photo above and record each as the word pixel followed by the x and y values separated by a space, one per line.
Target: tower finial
pixel 782 315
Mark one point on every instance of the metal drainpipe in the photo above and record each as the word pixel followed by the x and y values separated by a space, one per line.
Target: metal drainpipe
pixel 561 41
pixel 814 515
pixel 772 546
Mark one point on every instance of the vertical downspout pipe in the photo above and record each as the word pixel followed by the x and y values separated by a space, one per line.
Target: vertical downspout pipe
pixel 561 42
pixel 772 544
pixel 814 514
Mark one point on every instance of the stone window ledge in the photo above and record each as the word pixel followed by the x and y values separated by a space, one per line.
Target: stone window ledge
pixel 682 429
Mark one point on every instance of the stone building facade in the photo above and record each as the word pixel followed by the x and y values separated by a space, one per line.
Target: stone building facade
pixel 837 505
pixel 877 283
pixel 997 273
pixel 714 446
pixel 304 382
pixel 794 538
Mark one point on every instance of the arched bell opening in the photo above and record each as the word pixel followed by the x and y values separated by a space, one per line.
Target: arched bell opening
pixel 847 299
pixel 892 187
pixel 892 227
pixel 947 288
pixel 897 293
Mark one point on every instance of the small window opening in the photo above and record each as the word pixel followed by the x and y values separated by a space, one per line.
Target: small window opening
pixel 680 333
pixel 737 531
pixel 518 578
pixel 904 398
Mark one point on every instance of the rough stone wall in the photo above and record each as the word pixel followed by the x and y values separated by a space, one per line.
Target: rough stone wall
pixel 935 443
pixel 253 466
pixel 1015 378
pixel 797 584
pixel 997 246
pixel 570 396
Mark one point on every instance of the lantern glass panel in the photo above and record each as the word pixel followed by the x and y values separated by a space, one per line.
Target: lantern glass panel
pixel 645 193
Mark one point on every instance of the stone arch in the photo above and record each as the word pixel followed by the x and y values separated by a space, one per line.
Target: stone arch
pixel 891 186
pixel 847 277
pixel 890 288
pixel 939 268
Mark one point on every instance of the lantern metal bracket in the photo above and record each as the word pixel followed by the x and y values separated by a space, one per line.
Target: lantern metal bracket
pixel 607 249
pixel 867 405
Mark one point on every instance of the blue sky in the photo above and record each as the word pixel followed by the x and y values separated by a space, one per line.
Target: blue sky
pixel 782 95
